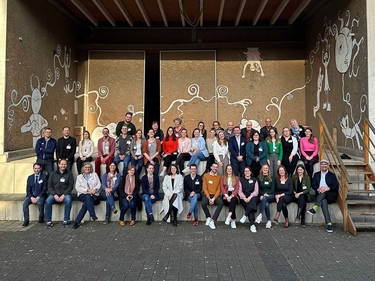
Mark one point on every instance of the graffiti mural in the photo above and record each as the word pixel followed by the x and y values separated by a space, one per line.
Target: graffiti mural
pixel 253 61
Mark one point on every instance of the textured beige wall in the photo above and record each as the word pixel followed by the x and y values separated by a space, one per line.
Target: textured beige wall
pixel 34 32
pixel 339 31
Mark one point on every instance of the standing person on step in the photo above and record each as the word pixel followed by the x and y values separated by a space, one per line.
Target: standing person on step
pixel 158 133
pixel 221 152
pixel 248 131
pixel 45 151
pixel 129 125
pixel 193 187
pixel 177 127
pixel 237 149
pixel 275 151
pixel 290 151
pixel 173 187
pixel 169 150
pixel 211 190
pixel 209 143
pixel 297 131
pixel 256 154
pixel 123 147
pixel 264 131
pixel 106 151
pixel 66 148
pixel 326 188
pixel 36 193
pixel 228 132
pixel 85 150
pixel 150 191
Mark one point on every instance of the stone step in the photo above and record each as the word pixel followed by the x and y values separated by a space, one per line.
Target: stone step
pixel 365 225
pixel 360 202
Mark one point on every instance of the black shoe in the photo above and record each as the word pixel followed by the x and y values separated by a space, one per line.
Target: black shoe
pixel 152 217
pixel 311 211
pixel 166 217
pixel 25 223
pixel 41 219
pixel 175 222
pixel 329 228
pixel 106 221
pixel 114 210
pixel 75 225
pixel 149 221
pixel 94 217
pixel 303 224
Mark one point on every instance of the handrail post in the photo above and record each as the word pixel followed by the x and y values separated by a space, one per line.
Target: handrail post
pixel 366 142
pixel 321 140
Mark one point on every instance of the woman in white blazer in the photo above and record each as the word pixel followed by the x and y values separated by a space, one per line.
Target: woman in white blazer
pixel 173 186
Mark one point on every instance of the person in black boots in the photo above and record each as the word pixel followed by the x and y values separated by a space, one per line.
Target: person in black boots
pixel 249 199
pixel 283 194
pixel 150 191
pixel 173 186
pixel 301 186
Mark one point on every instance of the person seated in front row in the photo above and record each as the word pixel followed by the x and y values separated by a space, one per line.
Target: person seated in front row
pixel 128 193
pixel 169 150
pixel 150 191
pixel 301 186
pixel 88 190
pixel 183 150
pixel 60 186
pixel 221 152
pixel 229 184
pixel 283 194
pixel 158 133
pixel 249 199
pixel 211 189
pixel 36 193
pixel 110 183
pixel 193 187
pixel 173 187
pixel 326 188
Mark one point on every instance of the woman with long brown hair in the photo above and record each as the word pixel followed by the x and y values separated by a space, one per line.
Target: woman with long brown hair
pixel 309 147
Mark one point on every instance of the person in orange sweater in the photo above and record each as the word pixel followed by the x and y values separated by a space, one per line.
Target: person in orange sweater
pixel 169 147
pixel 211 189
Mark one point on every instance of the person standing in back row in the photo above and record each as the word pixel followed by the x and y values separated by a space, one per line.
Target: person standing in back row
pixel 66 148
pixel 129 125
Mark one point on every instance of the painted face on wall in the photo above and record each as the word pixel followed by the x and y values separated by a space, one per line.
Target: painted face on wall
pixel 36 100
pixel 344 47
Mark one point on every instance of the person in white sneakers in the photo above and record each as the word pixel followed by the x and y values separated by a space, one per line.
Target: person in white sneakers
pixel 229 185
pixel 249 199
pixel 211 189
pixel 266 184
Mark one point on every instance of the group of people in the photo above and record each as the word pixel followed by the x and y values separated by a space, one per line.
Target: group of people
pixel 243 166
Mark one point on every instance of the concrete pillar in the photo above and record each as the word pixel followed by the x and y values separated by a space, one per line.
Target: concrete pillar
pixel 3 39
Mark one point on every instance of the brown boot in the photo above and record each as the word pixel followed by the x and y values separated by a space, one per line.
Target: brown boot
pixel 286 225
pixel 276 218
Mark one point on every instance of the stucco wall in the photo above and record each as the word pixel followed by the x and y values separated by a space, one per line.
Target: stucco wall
pixel 337 50
pixel 40 43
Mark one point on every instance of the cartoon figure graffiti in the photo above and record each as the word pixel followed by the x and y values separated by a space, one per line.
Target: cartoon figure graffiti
pixel 67 60
pixel 325 60
pixel 350 133
pixel 36 122
pixel 318 90
pixel 253 60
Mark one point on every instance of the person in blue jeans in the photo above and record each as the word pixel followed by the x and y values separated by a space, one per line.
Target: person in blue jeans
pixel 150 189
pixel 60 186
pixel 128 193
pixel 193 187
pixel 110 183
pixel 36 188
pixel 88 190
pixel 198 150
pixel 266 194
pixel 123 145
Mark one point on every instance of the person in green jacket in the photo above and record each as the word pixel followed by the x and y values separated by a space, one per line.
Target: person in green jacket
pixel 301 186
pixel 275 151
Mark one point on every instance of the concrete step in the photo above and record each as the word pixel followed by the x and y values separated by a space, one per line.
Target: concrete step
pixel 361 202
pixel 365 225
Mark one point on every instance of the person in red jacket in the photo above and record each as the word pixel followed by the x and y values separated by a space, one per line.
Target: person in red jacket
pixel 106 151
pixel 169 148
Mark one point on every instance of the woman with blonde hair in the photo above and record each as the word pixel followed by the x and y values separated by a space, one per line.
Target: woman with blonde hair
pixel 221 152
pixel 85 150
pixel 229 184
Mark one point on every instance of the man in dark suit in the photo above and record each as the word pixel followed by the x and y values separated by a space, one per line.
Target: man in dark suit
pixel 236 146
pixel 36 189
pixel 264 131
pixel 326 187
pixel 193 188
pixel 248 131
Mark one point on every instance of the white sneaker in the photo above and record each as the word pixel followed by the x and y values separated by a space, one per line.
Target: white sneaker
pixel 268 224
pixel 233 224
pixel 212 225
pixel 227 220
pixel 259 218
pixel 162 174
pixel 253 228
pixel 208 220
pixel 186 170
pixel 243 219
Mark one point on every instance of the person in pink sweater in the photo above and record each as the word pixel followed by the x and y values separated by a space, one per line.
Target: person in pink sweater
pixel 309 147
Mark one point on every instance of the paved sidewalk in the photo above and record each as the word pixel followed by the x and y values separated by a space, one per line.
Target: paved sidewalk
pixel 162 252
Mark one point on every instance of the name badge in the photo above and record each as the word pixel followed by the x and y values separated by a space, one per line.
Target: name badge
pixel 157 137
pixel 40 181
pixel 197 183
pixel 251 181
pixel 115 179
pixel 260 149
pixel 149 144
pixel 129 129
pixel 62 180
pixel 210 182
pixel 300 129
pixel 128 142
pixel 106 147
pixel 290 141
pixel 283 182
pixel 242 144
pixel 231 188
pixel 183 144
pixel 176 135
pixel 304 187
pixel 266 182
pixel 68 146
pixel 135 147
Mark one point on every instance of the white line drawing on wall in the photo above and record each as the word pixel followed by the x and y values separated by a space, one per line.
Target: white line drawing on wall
pixel 222 92
pixel 253 61
pixel 318 91
pixel 325 60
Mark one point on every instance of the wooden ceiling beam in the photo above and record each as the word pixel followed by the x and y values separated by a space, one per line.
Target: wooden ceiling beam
pixel 220 12
pixel 181 11
pixel 143 12
pixel 259 11
pixel 124 12
pixel 298 11
pixel 85 11
pixel 162 12
pixel 239 12
pixel 201 11
pixel 104 11
pixel 278 12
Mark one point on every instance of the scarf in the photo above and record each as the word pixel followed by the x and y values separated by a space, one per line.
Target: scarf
pixel 111 179
pixel 129 184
